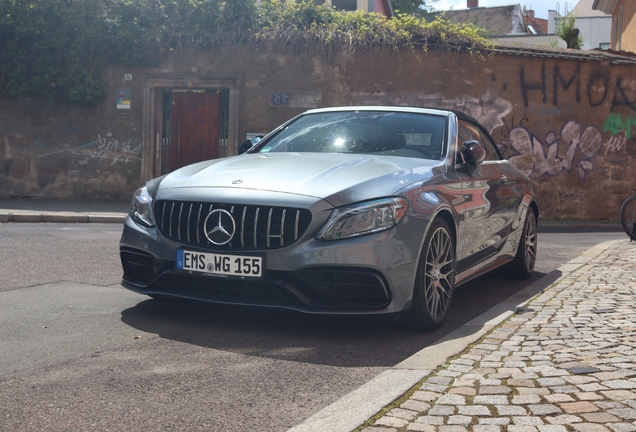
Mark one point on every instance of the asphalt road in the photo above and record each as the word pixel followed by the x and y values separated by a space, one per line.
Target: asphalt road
pixel 78 352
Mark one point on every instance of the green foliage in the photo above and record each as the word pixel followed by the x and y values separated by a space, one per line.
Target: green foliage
pixel 56 49
pixel 412 7
pixel 302 24
pixel 565 30
pixel 52 48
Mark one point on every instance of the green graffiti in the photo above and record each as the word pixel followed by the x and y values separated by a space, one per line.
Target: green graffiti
pixel 615 123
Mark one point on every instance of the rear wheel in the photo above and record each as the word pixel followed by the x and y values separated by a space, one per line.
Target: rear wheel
pixel 435 279
pixel 523 264
pixel 628 217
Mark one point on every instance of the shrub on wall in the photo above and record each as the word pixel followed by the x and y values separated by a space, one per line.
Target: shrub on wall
pixel 56 49
pixel 52 49
pixel 571 35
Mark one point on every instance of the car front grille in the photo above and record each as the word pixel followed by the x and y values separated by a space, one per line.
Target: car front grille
pixel 255 227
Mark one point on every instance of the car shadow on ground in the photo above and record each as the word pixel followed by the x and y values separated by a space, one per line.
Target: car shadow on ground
pixel 342 341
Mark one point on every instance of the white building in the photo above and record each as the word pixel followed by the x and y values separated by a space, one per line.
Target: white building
pixel 595 26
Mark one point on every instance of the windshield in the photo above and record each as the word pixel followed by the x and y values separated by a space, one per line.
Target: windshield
pixel 361 132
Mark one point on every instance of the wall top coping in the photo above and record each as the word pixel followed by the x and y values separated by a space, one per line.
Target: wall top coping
pixel 521 49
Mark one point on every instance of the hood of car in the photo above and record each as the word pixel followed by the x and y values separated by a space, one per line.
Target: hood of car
pixel 319 175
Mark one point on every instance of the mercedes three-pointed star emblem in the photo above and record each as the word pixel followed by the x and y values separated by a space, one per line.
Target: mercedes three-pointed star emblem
pixel 219 227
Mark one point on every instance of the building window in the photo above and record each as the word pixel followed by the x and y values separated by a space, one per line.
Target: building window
pixel 605 45
pixel 345 5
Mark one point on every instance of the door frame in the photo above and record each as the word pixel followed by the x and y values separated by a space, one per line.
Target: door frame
pixel 152 114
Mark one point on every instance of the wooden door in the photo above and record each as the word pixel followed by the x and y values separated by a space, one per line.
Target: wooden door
pixel 194 120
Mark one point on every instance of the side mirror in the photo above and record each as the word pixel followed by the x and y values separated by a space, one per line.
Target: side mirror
pixel 249 143
pixel 474 153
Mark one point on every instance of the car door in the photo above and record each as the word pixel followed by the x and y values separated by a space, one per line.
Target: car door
pixel 486 211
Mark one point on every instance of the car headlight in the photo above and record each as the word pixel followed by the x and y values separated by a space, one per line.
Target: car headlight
pixel 141 208
pixel 365 218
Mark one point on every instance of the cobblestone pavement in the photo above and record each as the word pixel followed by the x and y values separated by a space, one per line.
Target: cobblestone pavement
pixel 565 362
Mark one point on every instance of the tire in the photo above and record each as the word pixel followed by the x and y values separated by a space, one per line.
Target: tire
pixel 435 279
pixel 628 217
pixel 522 266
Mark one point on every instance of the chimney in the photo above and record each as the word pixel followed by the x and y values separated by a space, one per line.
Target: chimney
pixel 472 3
pixel 530 14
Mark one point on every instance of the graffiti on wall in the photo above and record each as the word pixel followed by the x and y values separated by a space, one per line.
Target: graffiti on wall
pixel 615 124
pixel 487 109
pixel 552 155
pixel 547 112
pixel 595 89
pixel 14 167
pixel 534 160
pixel 573 147
pixel 106 148
pixel 620 129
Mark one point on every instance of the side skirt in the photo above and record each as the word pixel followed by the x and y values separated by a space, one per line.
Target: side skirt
pixel 475 272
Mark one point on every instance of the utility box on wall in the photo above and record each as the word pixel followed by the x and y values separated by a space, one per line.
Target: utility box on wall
pixel 124 97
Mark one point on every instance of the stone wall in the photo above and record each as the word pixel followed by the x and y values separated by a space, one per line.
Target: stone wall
pixel 566 122
pixel 53 150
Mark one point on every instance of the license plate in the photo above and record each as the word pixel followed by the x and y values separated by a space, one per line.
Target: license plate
pixel 220 264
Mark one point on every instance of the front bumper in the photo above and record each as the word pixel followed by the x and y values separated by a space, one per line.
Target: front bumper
pixel 318 290
pixel 371 274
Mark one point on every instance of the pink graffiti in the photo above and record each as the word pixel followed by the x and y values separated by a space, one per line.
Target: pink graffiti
pixel 535 161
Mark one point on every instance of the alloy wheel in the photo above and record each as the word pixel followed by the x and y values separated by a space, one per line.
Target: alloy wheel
pixel 531 241
pixel 440 274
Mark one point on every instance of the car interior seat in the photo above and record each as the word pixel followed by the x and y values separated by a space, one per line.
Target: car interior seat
pixel 436 145
pixel 393 142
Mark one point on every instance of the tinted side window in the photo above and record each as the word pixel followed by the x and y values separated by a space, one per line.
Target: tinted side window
pixel 491 151
pixel 468 131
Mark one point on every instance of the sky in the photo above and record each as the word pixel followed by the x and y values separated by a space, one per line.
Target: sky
pixel 540 7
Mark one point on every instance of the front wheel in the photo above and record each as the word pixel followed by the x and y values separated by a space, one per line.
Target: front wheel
pixel 522 265
pixel 628 217
pixel 435 279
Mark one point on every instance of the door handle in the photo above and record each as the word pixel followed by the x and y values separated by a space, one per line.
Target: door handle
pixel 503 179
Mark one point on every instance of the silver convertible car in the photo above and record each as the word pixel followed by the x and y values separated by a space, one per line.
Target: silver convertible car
pixel 354 210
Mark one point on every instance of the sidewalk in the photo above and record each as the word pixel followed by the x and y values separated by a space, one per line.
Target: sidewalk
pixel 33 210
pixel 563 361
